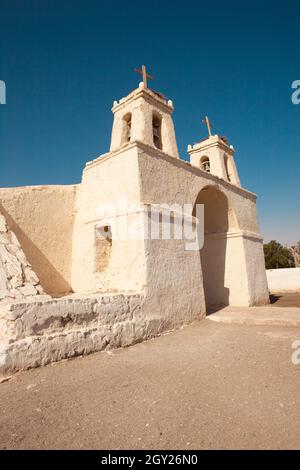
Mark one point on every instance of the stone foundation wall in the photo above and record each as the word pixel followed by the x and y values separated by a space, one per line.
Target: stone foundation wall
pixel 37 333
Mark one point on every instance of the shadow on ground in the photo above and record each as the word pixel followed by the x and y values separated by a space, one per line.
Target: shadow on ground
pixel 285 299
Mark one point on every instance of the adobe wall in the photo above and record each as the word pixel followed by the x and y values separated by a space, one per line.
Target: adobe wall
pixel 42 218
pixel 165 180
pixel 108 183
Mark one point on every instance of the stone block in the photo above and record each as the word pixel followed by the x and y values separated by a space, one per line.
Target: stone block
pixel 30 276
pixel 3 226
pixel 28 289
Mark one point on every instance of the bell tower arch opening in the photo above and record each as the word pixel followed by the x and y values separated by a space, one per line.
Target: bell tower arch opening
pixel 156 130
pixel 126 128
pixel 205 164
pixel 219 219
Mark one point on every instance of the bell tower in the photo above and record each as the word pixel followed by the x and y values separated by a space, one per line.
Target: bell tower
pixel 214 155
pixel 144 116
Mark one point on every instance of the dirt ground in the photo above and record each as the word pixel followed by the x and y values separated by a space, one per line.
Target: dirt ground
pixel 209 385
pixel 285 299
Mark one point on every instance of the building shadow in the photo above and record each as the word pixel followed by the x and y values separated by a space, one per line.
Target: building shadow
pixel 51 280
pixel 274 298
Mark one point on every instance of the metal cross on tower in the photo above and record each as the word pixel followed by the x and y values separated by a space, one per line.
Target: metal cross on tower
pixel 145 75
pixel 207 122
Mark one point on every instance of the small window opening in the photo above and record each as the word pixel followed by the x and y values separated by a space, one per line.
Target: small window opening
pixel 103 247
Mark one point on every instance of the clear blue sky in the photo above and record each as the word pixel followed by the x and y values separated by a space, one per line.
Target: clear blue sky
pixel 64 62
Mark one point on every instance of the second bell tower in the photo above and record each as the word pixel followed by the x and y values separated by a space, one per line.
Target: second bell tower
pixel 214 155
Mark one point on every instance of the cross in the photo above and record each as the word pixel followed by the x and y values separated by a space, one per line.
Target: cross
pixel 145 75
pixel 207 122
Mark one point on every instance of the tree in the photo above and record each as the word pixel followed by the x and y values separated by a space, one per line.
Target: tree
pixel 278 256
pixel 295 250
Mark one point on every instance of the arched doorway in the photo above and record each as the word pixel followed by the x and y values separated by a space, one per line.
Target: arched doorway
pixel 218 220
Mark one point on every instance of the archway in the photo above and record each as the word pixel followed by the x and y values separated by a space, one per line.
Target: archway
pixel 218 220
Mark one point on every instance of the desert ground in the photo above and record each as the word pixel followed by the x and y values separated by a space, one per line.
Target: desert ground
pixel 284 299
pixel 208 385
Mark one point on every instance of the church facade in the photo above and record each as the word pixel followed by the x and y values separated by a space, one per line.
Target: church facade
pixel 72 283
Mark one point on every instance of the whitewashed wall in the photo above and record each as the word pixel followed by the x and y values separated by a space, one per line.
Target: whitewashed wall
pixel 284 280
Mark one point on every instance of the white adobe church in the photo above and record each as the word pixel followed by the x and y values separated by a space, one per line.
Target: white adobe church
pixel 65 291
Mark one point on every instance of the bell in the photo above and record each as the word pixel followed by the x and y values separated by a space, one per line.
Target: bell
pixel 207 167
pixel 155 132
